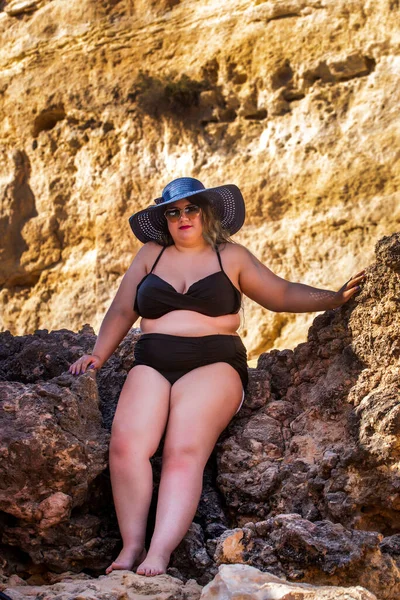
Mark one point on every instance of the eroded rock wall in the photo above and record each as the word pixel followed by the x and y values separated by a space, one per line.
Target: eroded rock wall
pixel 103 103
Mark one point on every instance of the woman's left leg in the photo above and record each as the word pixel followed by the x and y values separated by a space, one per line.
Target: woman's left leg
pixel 202 403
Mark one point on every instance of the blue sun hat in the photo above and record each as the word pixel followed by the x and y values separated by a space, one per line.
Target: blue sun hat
pixel 150 223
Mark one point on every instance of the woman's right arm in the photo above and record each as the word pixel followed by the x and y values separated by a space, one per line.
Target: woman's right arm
pixel 120 317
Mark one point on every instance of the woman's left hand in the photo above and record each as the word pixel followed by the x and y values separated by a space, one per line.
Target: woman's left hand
pixel 348 290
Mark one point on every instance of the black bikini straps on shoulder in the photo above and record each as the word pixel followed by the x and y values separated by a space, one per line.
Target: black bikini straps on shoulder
pixel 213 295
pixel 219 259
pixel 159 256
pixel 157 259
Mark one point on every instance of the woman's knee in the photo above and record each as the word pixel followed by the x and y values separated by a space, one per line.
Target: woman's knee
pixel 180 455
pixel 126 443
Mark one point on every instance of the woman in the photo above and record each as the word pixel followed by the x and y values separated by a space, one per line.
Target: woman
pixel 190 367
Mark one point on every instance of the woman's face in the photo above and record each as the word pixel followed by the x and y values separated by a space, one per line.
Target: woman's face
pixel 187 227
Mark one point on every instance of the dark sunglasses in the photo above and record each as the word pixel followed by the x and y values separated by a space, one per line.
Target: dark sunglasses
pixel 174 214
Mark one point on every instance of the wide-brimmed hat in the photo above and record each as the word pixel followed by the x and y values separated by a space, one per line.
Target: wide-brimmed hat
pixel 150 223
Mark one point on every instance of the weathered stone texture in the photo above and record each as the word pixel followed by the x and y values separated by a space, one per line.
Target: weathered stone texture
pixel 119 585
pixel 104 102
pixel 325 444
pixel 240 581
pixel 52 449
pixel 320 553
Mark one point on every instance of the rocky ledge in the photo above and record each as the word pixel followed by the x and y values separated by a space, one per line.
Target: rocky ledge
pixel 304 484
pixel 230 581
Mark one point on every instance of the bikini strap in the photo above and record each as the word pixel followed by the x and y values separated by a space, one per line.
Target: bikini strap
pixel 219 259
pixel 157 259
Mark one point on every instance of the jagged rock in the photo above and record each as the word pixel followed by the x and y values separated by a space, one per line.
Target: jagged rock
pixel 45 355
pixel 320 553
pixel 20 7
pixel 52 449
pixel 326 441
pixel 234 581
pixel 192 559
pixel 118 585
pixel 58 511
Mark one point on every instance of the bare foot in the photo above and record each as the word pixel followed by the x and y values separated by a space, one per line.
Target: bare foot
pixel 155 564
pixel 127 559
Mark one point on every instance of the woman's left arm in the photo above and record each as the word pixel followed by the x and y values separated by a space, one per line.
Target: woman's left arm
pixel 274 293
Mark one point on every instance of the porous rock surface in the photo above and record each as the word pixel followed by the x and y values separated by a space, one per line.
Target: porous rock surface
pixel 318 552
pixel 119 585
pixel 53 448
pixel 232 582
pixel 330 414
pixel 312 461
pixel 304 483
pixel 241 581
pixel 103 103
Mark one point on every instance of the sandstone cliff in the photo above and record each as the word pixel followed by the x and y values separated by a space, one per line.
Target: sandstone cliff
pixel 102 103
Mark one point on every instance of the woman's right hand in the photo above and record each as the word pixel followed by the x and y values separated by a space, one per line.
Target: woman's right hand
pixel 87 361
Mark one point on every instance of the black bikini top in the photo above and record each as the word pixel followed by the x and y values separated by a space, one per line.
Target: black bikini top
pixel 214 295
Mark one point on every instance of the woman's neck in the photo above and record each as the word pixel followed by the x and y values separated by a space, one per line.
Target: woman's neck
pixel 193 248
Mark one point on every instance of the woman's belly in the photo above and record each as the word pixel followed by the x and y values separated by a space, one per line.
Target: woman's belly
pixel 190 323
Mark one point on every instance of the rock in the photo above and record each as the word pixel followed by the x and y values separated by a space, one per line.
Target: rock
pixel 116 586
pixel 391 545
pixel 57 432
pixel 388 252
pixel 20 7
pixel 14 580
pixel 325 442
pixel 53 448
pixel 191 558
pixel 50 415
pixel 45 355
pixel 233 581
pixel 322 552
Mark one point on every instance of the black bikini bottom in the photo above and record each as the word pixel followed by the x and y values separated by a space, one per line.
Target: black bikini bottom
pixel 173 356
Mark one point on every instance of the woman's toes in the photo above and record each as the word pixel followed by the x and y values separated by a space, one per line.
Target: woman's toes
pixel 114 567
pixel 126 560
pixel 109 569
pixel 144 570
pixel 152 566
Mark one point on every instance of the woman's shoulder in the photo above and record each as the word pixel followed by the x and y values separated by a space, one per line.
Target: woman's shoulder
pixel 148 253
pixel 232 250
pixel 152 248
pixel 232 253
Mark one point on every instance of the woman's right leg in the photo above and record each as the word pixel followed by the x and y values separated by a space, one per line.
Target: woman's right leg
pixel 139 423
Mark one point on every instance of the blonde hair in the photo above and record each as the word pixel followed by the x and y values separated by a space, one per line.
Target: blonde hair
pixel 213 232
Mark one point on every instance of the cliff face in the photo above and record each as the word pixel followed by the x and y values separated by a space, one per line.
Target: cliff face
pixel 303 484
pixel 103 103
